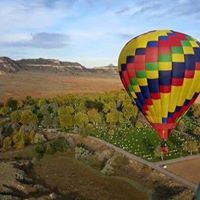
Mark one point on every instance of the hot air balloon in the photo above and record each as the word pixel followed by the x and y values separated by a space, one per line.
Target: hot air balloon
pixel 160 70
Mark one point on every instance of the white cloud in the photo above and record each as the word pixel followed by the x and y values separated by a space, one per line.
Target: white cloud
pixel 14 37
pixel 21 14
pixel 37 40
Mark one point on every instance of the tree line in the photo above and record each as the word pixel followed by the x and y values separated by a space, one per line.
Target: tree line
pixel 22 122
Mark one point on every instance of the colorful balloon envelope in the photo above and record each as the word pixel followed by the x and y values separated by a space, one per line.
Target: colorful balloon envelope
pixel 161 72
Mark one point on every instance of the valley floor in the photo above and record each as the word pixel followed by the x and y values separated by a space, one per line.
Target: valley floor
pixel 44 84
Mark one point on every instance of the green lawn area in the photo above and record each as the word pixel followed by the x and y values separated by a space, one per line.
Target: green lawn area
pixel 142 141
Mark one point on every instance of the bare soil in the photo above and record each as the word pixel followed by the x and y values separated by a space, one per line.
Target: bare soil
pixel 188 169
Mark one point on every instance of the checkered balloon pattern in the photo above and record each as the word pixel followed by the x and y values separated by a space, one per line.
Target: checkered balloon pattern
pixel 161 72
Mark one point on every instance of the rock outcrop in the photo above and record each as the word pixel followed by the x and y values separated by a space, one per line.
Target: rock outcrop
pixel 15 184
pixel 8 65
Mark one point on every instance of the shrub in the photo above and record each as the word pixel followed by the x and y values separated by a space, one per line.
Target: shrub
pixel 139 125
pixel 8 130
pixel 4 111
pixel 119 160
pixel 86 147
pixel 108 169
pixel 29 101
pixel 40 150
pixel 30 137
pixel 197 131
pixel 7 143
pixel 190 146
pixel 12 103
pixel 60 145
pixel 15 116
pixel 19 139
pixel 83 154
pixel 39 138
pixel 50 149
pixel 182 127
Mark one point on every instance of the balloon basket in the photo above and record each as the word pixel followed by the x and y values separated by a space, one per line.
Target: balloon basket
pixel 164 147
pixel 165 150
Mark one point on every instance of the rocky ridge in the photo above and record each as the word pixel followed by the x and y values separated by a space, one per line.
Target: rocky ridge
pixel 8 65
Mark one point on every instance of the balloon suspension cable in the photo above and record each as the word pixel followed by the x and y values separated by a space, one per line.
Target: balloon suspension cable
pixel 164 146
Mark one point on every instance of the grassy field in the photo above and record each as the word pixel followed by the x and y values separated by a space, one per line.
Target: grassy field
pixel 143 142
pixel 42 84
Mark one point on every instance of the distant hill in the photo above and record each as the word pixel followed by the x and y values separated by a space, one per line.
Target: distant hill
pixel 8 65
pixel 111 69
pixel 50 65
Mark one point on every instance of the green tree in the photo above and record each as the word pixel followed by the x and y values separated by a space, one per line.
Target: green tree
pixel 12 103
pixel 196 110
pixel 41 102
pixel 66 117
pixel 108 107
pixel 15 116
pixel 197 131
pixel 182 126
pixel 46 116
pixel 114 117
pixel 81 120
pixel 19 139
pixel 29 101
pixel 190 146
pixel 94 116
pixel 7 143
pixel 28 118
pixel 129 111
pixel 4 111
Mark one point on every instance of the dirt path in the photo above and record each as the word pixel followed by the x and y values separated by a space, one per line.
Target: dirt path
pixel 187 158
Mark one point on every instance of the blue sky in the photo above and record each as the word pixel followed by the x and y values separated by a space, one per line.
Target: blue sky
pixel 91 32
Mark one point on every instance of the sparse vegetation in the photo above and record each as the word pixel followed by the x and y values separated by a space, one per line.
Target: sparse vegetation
pixel 58 145
pixel 82 154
